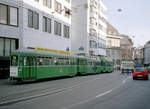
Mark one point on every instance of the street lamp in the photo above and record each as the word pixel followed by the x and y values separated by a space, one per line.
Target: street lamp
pixel 119 10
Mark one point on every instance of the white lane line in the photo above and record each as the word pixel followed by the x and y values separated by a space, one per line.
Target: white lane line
pixel 124 81
pixel 102 94
pixel 88 100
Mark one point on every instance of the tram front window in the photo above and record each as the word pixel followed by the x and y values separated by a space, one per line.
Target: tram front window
pixel 14 60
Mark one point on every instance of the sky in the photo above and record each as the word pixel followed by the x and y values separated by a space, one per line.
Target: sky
pixel 133 20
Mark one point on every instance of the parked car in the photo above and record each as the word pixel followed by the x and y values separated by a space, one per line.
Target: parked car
pixel 140 73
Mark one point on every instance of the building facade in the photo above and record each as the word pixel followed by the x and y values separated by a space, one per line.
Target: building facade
pixel 138 55
pixel 146 53
pixel 126 48
pixel 33 23
pixel 89 27
pixel 113 44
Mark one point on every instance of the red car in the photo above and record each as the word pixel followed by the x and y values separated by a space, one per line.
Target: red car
pixel 140 73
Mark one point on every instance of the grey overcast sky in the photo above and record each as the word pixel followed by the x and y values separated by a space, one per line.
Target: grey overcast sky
pixel 133 20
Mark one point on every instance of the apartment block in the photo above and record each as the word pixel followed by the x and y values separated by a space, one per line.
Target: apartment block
pixel 113 44
pixel 126 48
pixel 89 27
pixel 146 54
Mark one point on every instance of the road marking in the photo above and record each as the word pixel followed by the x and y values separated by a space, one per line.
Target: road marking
pixel 102 94
pixel 85 101
pixel 124 81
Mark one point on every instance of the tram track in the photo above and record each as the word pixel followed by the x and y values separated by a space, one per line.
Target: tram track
pixel 40 92
pixel 35 93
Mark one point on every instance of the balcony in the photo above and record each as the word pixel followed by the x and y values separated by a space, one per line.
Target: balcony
pixel 93 14
pixel 93 26
pixel 94 3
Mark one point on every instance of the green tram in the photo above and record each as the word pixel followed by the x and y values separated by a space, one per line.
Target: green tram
pixel 107 65
pixel 31 65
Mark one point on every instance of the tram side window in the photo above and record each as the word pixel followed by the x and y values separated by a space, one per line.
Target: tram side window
pixel 55 61
pixel 98 63
pixel 29 61
pixel 90 62
pixel 63 61
pixel 73 62
pixel 103 63
pixel 66 62
pixel 39 61
pixel 60 61
pixel 14 60
pixel 25 61
pixel 44 61
pixel 47 61
pixel 82 62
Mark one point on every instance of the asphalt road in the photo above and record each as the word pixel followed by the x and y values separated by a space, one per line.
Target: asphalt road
pixel 102 91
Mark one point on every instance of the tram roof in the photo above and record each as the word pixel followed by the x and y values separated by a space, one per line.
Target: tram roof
pixel 32 51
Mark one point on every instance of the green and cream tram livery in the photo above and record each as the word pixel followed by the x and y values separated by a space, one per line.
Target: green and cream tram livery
pixel 32 65
pixel 127 66
pixel 107 65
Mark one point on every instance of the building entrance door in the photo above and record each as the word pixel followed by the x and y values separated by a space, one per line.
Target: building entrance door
pixel 4 68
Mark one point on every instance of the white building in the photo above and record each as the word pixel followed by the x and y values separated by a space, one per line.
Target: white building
pixel 34 23
pixel 89 27
pixel 138 55
pixel 113 44
pixel 146 53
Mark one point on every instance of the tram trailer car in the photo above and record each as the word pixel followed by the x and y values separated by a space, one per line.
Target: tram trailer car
pixel 27 65
pixel 107 65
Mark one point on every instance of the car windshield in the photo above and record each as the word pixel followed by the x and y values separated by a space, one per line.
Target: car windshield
pixel 140 70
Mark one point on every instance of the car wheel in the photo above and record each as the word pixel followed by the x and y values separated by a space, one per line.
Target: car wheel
pixel 147 78
pixel 134 78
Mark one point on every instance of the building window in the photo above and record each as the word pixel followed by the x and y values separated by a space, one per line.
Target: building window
pixel 109 43
pixel 46 24
pixel 57 7
pixel 30 18
pixel 33 19
pixel 7 46
pixel 13 16
pixel 57 28
pixel 47 3
pixel 1 47
pixel 67 12
pixel 93 32
pixel 93 44
pixel 66 31
pixel 37 0
pixel 68 1
pixel 100 26
pixel 8 15
pixel 36 20
pixel 3 14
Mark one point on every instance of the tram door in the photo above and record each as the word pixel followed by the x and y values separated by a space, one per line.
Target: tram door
pixel 29 70
pixel 71 67
pixel 4 69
